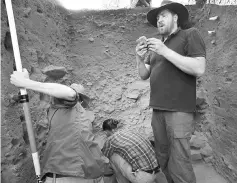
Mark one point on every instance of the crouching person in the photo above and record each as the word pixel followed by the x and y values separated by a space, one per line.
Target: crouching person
pixel 71 154
pixel 131 155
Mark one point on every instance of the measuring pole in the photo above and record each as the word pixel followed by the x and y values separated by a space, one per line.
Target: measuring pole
pixel 24 99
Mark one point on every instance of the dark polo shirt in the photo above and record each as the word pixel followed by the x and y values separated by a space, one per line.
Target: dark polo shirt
pixel 171 88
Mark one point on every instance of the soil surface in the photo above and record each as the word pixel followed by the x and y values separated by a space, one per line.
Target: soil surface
pixel 96 49
pixel 206 174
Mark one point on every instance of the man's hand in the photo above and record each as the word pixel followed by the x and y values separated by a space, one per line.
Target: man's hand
pixel 157 46
pixel 20 79
pixel 141 48
pixel 141 51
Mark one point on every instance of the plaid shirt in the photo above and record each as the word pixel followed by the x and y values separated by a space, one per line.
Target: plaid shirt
pixel 133 147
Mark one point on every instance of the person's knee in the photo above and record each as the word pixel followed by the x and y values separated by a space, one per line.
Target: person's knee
pixel 180 150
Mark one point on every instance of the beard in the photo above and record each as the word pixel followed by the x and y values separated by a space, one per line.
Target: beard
pixel 165 29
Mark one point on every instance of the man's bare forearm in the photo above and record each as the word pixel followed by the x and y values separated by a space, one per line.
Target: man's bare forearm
pixel 144 73
pixel 189 65
pixel 52 89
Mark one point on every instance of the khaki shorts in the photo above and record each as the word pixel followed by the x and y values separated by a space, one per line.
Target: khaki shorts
pixel 124 173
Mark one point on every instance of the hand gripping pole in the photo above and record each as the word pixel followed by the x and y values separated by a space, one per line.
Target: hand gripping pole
pixel 23 94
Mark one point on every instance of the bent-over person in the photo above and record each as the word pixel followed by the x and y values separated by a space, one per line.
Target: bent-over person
pixel 131 155
pixel 71 154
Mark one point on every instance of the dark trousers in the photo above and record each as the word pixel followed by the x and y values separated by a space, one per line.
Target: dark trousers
pixel 172 132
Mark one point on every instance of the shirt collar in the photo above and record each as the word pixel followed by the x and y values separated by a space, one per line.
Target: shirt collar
pixel 171 35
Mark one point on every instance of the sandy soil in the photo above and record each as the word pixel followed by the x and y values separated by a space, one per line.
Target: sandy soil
pixel 97 50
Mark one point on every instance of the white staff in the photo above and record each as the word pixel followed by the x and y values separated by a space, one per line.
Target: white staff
pixel 24 99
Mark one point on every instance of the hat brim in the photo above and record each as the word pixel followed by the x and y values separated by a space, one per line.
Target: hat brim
pixel 177 8
pixel 85 100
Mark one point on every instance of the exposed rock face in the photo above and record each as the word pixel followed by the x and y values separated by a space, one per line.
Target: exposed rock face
pixel 200 149
pixel 97 50
pixel 198 141
pixel 55 72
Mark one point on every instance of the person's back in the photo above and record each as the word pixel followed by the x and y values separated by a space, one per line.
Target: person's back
pixel 133 147
pixel 131 155
pixel 69 150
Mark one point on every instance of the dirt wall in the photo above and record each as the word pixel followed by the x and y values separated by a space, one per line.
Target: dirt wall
pixel 97 50
pixel 219 84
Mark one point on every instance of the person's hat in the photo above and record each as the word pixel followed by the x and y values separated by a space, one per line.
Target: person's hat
pixel 84 99
pixel 174 7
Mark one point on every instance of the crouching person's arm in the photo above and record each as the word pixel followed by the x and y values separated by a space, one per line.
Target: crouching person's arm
pixel 22 80
pixel 98 161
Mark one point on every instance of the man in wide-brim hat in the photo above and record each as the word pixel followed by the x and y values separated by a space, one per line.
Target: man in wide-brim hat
pixel 172 64
pixel 173 7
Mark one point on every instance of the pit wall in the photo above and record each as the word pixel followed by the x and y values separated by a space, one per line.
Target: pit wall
pixel 97 50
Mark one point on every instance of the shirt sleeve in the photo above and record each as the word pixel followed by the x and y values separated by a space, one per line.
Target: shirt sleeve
pixel 195 44
pixel 107 149
pixel 63 103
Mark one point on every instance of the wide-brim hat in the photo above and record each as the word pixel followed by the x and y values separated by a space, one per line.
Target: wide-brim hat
pixel 83 98
pixel 174 7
